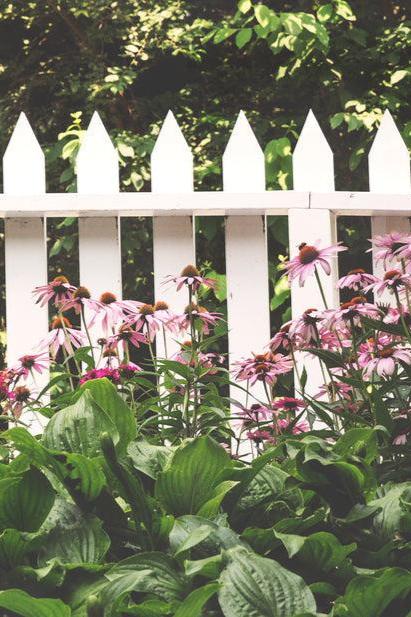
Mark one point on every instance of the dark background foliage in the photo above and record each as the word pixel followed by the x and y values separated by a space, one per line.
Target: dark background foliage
pixel 132 60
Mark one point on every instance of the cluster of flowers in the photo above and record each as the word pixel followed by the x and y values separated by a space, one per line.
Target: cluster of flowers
pixel 339 330
pixel 110 327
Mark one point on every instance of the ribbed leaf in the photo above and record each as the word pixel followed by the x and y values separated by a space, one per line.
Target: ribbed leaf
pixel 191 476
pixel 85 541
pixel 254 585
pixel 21 603
pixel 370 595
pixel 107 397
pixel 321 551
pixel 394 511
pixel 194 603
pixel 24 504
pixel 78 428
pixel 148 458
pixel 13 546
pixel 165 580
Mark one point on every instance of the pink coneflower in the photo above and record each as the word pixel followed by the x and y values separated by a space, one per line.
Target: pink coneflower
pixel 382 357
pixel 351 311
pixel 393 281
pixel 258 436
pixel 356 279
pixel 62 335
pixel 262 367
pixel 191 277
pixel 206 360
pixel 301 426
pixel 334 389
pixel 81 299
pixel 32 362
pixel 389 246
pixel 304 330
pixel 309 257
pixel 125 335
pixel 146 320
pixel 58 291
pixel 18 399
pixel 199 315
pixel 108 312
pixel 288 403
pixel 250 416
pixel 282 338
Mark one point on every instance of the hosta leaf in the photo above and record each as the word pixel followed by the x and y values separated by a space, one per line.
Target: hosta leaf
pixel 13 546
pixel 25 503
pixel 321 551
pixel 148 458
pixel 87 474
pixel 21 603
pixel 254 585
pixel 209 567
pixel 394 511
pixel 193 604
pixel 78 428
pixel 110 401
pixel 165 580
pixel 83 542
pixel 220 537
pixel 370 595
pixel 191 476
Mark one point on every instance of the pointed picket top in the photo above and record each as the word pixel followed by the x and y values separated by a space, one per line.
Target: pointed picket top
pixel 388 159
pixel 171 160
pixel 313 165
pixel 97 161
pixel 243 160
pixel 23 162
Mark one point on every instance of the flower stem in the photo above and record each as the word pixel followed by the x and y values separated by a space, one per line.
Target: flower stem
pixel 317 276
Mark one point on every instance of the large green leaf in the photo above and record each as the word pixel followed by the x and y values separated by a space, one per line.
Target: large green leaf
pixel 106 396
pixel 393 511
pixel 85 541
pixel 13 546
pixel 165 579
pixel 191 476
pixel 78 428
pixel 220 537
pixel 370 595
pixel 21 603
pixel 193 605
pixel 254 585
pixel 149 458
pixel 25 503
pixel 320 551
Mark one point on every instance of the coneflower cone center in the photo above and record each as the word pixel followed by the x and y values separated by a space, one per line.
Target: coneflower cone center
pixel 391 274
pixel 307 253
pixel 357 271
pixel 386 353
pixel 190 270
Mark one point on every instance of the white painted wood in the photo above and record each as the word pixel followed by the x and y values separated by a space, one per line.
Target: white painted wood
pixel 25 255
pixel 173 238
pixel 389 172
pixel 313 170
pixel 246 257
pixel 99 237
pixel 313 164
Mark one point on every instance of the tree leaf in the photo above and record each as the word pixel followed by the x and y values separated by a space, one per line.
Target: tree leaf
pixel 243 37
pixel 254 585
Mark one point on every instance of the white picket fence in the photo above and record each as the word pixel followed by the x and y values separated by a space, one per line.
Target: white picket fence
pixel 312 208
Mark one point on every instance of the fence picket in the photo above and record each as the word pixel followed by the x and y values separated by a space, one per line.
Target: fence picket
pixel 313 170
pixel 25 252
pixel 99 237
pixel 173 237
pixel 389 172
pixel 246 253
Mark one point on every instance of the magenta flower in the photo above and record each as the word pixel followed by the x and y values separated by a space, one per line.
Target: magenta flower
pixel 262 367
pixel 304 330
pixel 356 279
pixel 129 370
pixel 32 362
pixel 191 277
pixel 351 311
pixel 301 426
pixel 259 436
pixel 393 281
pixel 282 338
pixel 58 291
pixel 382 357
pixel 62 335
pixel 126 334
pixel 308 259
pixel 147 320
pixel 98 373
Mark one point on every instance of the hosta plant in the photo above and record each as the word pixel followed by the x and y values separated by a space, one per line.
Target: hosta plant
pixel 151 491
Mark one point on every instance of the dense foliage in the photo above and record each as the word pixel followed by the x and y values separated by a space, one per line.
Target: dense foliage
pixel 150 493
pixel 132 60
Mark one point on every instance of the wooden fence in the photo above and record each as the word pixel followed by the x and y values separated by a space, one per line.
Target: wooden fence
pixel 312 208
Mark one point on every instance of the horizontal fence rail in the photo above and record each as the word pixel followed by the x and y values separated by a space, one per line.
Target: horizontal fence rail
pixel 312 209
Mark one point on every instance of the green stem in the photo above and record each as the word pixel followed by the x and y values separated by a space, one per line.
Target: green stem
pixel 317 276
